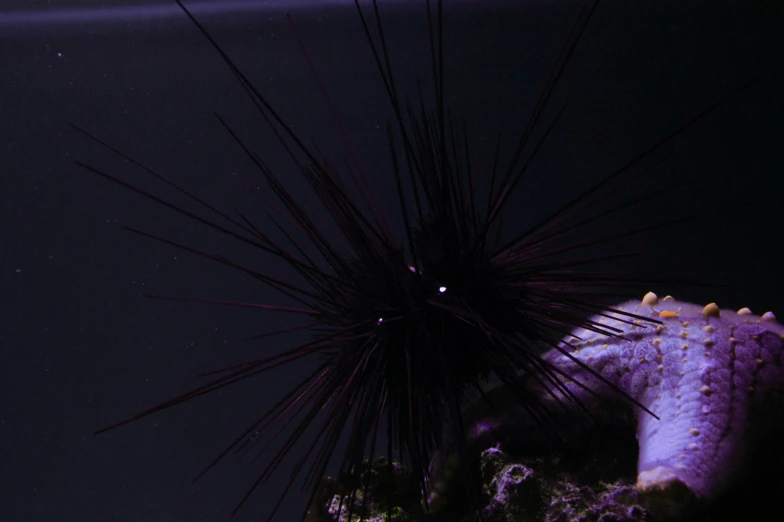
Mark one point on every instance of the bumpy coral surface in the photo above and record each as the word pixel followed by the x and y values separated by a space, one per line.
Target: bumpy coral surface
pixel 701 370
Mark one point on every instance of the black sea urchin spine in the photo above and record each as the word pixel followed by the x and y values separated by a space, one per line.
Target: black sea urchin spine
pixel 406 327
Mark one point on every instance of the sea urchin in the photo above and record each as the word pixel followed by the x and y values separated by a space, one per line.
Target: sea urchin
pixel 407 327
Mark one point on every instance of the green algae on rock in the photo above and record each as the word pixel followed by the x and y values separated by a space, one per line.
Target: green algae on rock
pixel 389 495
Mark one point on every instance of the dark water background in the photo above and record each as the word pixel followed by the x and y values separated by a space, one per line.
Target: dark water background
pixel 80 348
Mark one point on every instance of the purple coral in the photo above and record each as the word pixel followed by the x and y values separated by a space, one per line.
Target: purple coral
pixel 701 371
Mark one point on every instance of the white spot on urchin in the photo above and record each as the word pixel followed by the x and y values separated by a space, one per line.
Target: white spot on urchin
pixel 767 316
pixel 744 311
pixel 694 432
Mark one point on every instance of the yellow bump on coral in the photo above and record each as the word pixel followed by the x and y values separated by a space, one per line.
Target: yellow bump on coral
pixel 656 342
pixel 659 328
pixel 684 347
pixel 660 368
pixel 692 446
pixel 650 299
pixel 732 340
pixel 637 322
pixel 708 329
pixel 711 310
pixel 767 316
pixel 685 324
pixel 668 298
pixel 744 311
pixel 707 342
pixel 694 432
pixel 668 314
pixel 705 390
pixel 684 334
